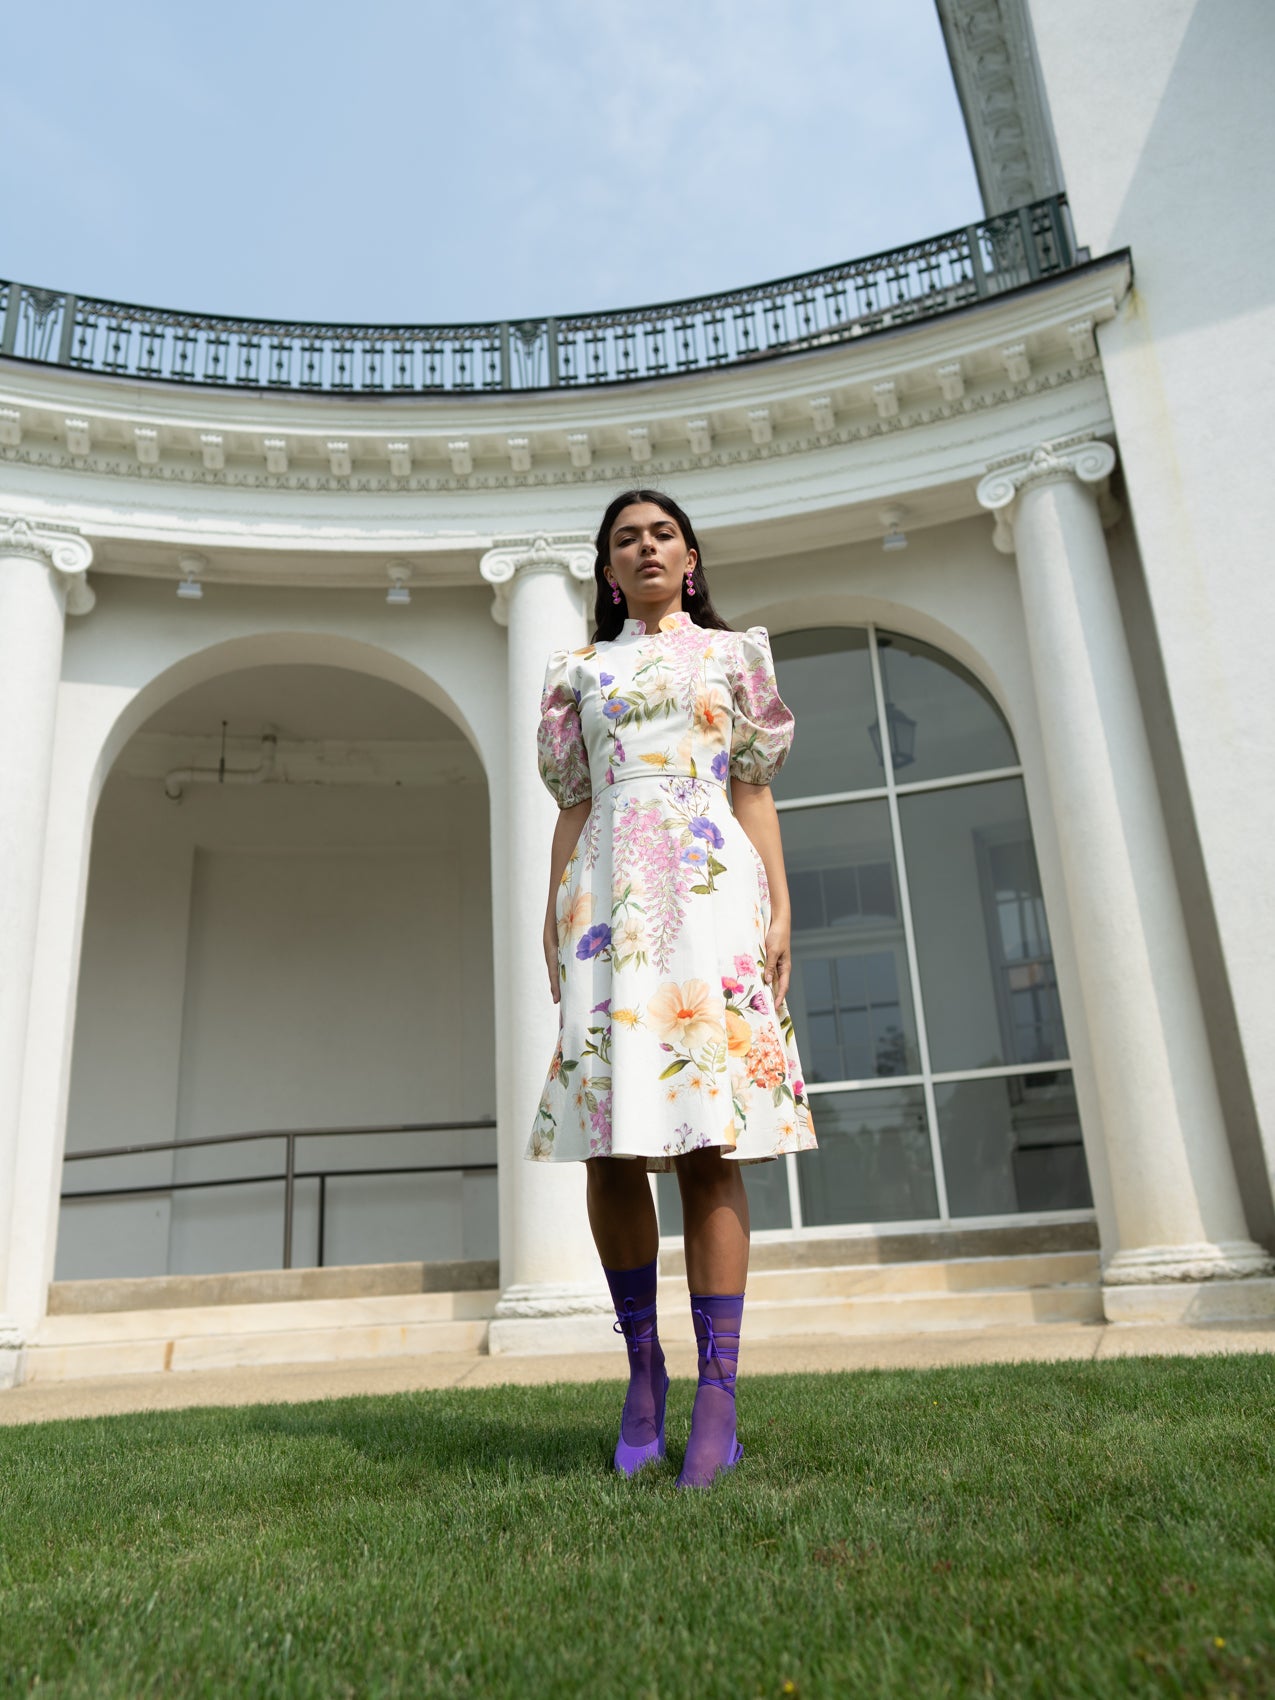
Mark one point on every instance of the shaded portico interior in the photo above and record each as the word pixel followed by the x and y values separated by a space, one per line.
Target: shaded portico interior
pixel 303 946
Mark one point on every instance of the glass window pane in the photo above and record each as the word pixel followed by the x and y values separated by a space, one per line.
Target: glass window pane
pixel 873 1163
pixel 765 1183
pixel 805 894
pixel 955 727
pixel 982 942
pixel 850 996
pixel 825 677
pixel 876 885
pixel 767 1187
pixel 1012 1144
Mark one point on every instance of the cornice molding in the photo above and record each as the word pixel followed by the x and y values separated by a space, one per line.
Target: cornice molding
pixel 571 553
pixel 63 548
pixel 1081 458
pixel 1001 91
pixel 664 461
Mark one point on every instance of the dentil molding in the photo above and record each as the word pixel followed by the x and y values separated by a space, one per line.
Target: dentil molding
pixel 671 454
pixel 1082 458
pixel 569 552
pixel 61 547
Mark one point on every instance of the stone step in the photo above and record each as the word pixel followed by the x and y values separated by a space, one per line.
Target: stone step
pixel 223 1336
pixel 882 1248
pixel 250 1326
pixel 951 1275
pixel 916 1245
pixel 269 1286
pixel 897 1298
pixel 923 1312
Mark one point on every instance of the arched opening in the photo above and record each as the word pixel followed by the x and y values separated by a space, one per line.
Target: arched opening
pixel 923 989
pixel 288 927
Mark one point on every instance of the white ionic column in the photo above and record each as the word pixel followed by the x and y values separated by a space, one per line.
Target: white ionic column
pixel 553 1293
pixel 42 570
pixel 1183 1250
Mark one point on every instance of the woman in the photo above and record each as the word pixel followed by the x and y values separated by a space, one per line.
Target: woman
pixel 667 944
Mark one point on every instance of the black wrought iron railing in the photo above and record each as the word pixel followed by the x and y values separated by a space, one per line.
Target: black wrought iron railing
pixel 792 314
pixel 291 1173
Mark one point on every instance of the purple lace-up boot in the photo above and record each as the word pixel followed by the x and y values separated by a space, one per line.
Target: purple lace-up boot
pixel 713 1447
pixel 642 1424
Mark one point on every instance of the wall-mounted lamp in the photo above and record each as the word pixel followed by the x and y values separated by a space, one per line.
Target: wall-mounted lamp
pixel 191 565
pixel 398 595
pixel 892 520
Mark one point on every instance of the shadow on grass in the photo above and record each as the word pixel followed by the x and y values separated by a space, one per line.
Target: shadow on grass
pixel 473 1432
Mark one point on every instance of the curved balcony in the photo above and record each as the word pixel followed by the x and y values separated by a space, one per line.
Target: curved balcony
pixel 574 351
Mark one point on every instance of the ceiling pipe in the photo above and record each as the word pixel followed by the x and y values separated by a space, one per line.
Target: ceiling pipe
pixel 180 777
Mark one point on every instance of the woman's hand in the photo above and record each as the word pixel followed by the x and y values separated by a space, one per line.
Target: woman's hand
pixel 778 970
pixel 551 956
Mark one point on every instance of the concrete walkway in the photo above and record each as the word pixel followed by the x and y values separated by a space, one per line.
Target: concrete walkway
pixel 297 1383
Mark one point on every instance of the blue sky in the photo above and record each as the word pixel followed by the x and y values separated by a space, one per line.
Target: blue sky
pixel 472 159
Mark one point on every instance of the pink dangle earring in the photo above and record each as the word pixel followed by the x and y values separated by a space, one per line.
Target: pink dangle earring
pixel 615 593
pixel 690 581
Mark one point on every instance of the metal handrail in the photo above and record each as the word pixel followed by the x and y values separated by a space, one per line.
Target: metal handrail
pixel 626 345
pixel 290 1176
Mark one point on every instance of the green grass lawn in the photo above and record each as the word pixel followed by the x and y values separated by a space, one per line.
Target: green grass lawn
pixel 1059 1530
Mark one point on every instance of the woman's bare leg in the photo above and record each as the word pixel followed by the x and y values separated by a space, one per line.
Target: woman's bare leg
pixel 622 1212
pixel 715 1222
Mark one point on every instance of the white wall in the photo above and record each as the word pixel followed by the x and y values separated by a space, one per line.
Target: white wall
pixel 1166 131
pixel 283 956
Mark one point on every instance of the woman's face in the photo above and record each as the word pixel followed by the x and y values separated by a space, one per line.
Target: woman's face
pixel 649 557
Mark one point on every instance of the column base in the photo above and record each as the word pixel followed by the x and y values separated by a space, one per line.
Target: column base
pixel 1192 1304
pixel 541 1319
pixel 1229 1260
pixel 11 1344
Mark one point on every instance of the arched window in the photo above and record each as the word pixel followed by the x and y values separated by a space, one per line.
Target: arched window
pixel 923 987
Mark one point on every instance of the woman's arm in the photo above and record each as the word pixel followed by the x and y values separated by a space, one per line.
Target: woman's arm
pixel 570 825
pixel 755 810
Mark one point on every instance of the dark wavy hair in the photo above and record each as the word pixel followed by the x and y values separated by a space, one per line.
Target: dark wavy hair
pixel 609 616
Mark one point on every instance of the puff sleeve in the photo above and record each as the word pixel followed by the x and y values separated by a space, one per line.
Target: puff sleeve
pixel 560 748
pixel 763 726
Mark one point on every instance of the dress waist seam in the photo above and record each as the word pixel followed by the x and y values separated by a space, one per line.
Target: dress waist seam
pixel 655 777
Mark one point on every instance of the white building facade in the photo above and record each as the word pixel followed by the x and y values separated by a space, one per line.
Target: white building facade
pixel 275 604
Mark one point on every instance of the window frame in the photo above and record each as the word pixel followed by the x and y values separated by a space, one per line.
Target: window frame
pixel 926 1077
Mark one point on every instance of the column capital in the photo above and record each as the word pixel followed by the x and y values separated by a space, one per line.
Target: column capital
pixel 1085 459
pixel 60 547
pixel 569 552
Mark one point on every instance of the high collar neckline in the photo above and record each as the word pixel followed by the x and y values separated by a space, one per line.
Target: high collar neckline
pixel 670 623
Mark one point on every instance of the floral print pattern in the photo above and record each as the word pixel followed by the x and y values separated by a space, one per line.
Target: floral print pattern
pixel 670 1040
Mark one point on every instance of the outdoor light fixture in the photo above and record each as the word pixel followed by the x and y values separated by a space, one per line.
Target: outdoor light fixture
pixel 895 537
pixel 191 565
pixel 398 595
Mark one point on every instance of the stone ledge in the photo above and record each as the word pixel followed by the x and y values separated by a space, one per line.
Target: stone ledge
pixel 269 1286
pixel 925 1245
pixel 552 1336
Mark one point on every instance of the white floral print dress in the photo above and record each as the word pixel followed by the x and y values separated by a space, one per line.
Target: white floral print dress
pixel 670 1039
